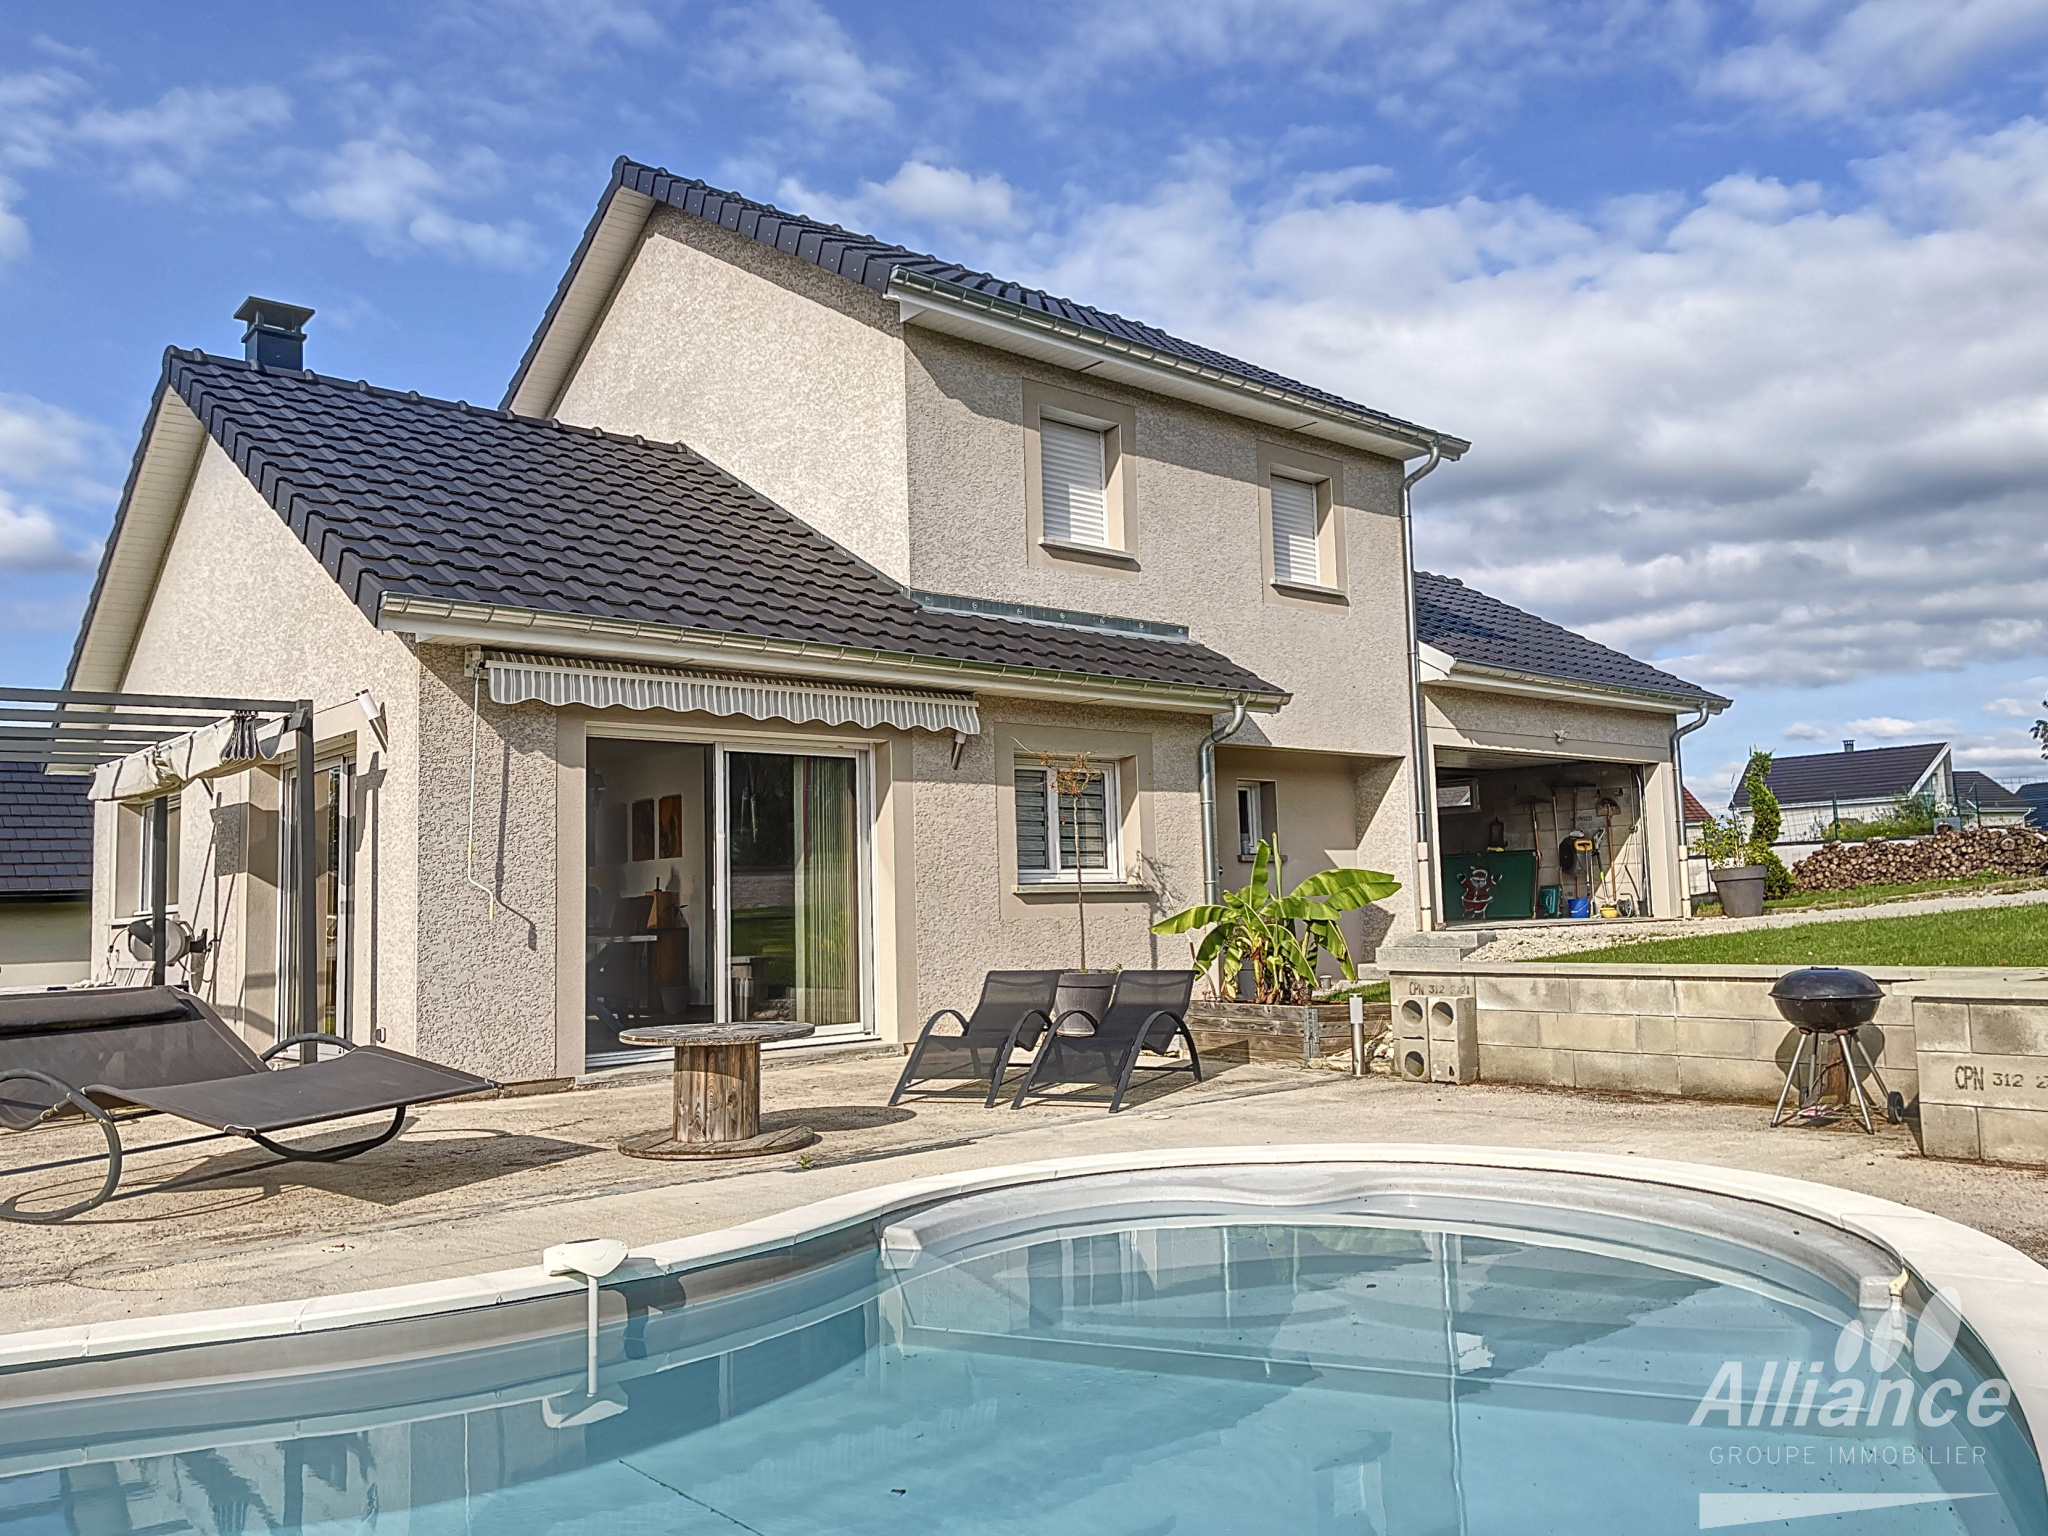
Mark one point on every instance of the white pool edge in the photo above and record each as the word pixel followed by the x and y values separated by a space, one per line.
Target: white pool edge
pixel 2004 1293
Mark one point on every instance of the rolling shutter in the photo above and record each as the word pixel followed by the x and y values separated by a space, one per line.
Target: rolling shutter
pixel 1295 554
pixel 1073 475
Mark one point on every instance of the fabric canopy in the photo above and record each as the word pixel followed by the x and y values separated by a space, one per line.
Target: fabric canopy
pixel 227 746
pixel 520 679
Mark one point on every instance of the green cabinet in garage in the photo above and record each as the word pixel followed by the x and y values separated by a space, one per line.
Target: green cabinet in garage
pixel 1505 882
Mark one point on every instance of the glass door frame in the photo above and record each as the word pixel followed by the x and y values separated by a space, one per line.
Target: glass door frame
pixel 723 739
pixel 863 757
pixel 340 770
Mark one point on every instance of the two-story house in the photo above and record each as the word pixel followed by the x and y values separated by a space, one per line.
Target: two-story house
pixel 729 667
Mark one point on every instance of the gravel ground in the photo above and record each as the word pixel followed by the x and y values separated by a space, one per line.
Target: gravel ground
pixel 1558 939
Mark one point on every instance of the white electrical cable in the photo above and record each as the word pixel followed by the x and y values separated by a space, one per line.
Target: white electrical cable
pixel 469 852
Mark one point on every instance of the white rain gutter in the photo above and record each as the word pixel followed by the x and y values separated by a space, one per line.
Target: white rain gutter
pixel 1707 712
pixel 1212 871
pixel 1418 723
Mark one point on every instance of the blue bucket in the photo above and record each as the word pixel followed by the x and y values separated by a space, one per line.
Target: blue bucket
pixel 1580 906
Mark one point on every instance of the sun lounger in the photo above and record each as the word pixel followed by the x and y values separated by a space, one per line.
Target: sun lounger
pixel 102 1050
pixel 1015 1009
pixel 1145 1012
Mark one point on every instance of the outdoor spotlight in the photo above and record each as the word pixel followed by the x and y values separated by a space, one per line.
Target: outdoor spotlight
pixel 374 713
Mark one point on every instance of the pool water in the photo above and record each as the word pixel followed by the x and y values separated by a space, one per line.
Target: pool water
pixel 1408 1360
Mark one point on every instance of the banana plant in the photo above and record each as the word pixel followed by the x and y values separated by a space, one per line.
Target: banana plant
pixel 1279 937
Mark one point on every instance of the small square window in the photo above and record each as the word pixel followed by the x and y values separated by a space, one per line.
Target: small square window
pixel 1086 823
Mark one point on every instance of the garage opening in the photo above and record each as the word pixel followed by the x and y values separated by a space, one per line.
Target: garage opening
pixel 1523 838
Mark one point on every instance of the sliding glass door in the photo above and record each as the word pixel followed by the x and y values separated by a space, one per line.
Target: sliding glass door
pixel 333 882
pixel 793 862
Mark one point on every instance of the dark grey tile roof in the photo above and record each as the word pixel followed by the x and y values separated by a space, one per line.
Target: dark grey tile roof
pixel 45 833
pixel 400 494
pixel 1487 632
pixel 1871 774
pixel 1985 792
pixel 2035 795
pixel 870 262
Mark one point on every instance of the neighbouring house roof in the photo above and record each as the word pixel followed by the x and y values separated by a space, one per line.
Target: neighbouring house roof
pixel 900 272
pixel 404 497
pixel 1489 634
pixel 45 833
pixel 1873 773
pixel 2036 795
pixel 1694 811
pixel 1986 793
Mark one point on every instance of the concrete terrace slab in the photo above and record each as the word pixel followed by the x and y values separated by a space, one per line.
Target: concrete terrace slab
pixel 485 1185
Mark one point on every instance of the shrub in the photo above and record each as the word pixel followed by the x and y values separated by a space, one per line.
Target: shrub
pixel 1766 821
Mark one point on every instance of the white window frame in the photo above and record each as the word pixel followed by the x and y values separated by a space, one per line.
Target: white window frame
pixel 1112 872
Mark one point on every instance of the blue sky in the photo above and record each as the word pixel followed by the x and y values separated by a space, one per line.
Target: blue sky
pixel 1743 306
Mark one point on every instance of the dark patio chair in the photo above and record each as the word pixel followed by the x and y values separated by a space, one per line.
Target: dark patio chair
pixel 161 1050
pixel 1014 1011
pixel 1145 1012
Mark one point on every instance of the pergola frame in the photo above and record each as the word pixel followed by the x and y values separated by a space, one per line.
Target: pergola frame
pixel 72 731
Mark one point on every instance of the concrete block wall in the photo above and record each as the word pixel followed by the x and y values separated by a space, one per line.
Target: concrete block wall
pixel 1699 1031
pixel 1984 1073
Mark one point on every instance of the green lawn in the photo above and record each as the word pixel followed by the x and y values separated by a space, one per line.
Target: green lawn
pixel 1999 936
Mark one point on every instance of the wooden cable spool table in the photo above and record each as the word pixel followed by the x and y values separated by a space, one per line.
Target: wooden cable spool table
pixel 717 1091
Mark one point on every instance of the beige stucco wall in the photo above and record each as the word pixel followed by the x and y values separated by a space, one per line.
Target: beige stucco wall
pixel 242 608
pixel 787 376
pixel 1333 814
pixel 45 943
pixel 1197 475
pixel 972 916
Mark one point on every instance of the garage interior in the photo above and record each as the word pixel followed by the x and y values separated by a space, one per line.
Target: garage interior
pixel 1526 838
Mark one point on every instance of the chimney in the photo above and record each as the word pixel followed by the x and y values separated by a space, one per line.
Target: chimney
pixel 1848 746
pixel 274 338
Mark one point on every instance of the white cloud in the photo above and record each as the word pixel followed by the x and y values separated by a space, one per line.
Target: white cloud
pixel 393 198
pixel 2020 709
pixel 1892 728
pixel 13 227
pixel 162 146
pixel 1801 730
pixel 1771 440
pixel 800 48
pixel 30 541
pixel 1836 60
pixel 919 192
pixel 38 440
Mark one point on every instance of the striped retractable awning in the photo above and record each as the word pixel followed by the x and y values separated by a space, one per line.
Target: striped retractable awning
pixel 519 679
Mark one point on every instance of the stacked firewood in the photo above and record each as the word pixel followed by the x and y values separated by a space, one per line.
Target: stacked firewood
pixel 2015 851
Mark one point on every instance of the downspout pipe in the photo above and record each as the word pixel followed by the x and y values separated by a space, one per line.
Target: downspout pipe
pixel 1678 782
pixel 1418 720
pixel 1212 869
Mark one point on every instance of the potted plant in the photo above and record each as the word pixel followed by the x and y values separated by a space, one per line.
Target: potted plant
pixel 1739 883
pixel 1745 870
pixel 1277 941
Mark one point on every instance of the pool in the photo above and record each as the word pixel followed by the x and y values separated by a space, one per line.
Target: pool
pixel 1391 1347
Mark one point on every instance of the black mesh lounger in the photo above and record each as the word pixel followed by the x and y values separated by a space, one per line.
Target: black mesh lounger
pixel 1015 1009
pixel 158 1049
pixel 1145 1012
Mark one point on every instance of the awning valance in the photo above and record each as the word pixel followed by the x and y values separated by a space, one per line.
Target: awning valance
pixel 226 746
pixel 520 679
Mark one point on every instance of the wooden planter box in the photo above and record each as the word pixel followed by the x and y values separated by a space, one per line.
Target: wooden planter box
pixel 1281 1034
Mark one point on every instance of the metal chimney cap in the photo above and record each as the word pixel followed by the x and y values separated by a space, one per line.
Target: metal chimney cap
pixel 273 314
